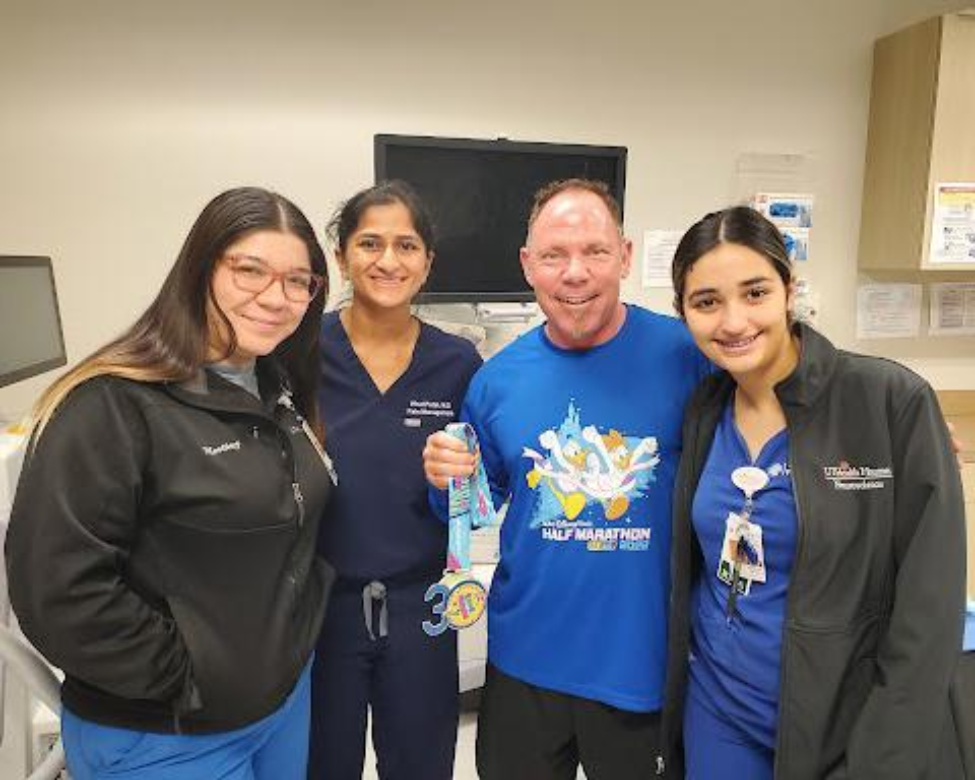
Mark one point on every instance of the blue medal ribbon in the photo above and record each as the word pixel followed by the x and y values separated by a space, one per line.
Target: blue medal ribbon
pixel 458 598
pixel 469 501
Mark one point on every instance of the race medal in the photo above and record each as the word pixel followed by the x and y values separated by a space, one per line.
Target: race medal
pixel 459 599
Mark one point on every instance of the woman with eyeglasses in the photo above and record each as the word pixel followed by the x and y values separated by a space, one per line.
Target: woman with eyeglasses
pixel 161 549
pixel 819 543
pixel 387 381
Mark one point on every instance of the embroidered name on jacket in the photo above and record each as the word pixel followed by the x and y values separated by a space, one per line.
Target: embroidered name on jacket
pixel 848 477
pixel 230 446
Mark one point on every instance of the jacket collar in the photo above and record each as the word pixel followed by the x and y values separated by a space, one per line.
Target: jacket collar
pixel 811 376
pixel 208 390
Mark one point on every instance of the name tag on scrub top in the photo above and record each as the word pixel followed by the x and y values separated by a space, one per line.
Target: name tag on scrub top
pixel 742 556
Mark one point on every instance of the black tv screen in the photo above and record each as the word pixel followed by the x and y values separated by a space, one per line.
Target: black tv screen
pixel 480 193
pixel 31 341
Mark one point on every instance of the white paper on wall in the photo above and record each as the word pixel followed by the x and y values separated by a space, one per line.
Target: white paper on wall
pixel 658 255
pixel 887 311
pixel 952 309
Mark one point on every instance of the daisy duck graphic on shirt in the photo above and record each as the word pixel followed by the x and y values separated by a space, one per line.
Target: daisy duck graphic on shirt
pixel 586 480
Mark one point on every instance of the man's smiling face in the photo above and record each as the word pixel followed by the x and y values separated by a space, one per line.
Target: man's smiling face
pixel 575 259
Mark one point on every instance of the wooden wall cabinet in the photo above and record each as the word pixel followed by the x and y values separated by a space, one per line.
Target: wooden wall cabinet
pixel 922 132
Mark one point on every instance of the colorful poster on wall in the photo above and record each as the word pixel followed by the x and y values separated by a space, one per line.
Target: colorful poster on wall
pixel 792 214
pixel 953 224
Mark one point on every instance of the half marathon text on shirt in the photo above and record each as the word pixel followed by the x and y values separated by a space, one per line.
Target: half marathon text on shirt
pixel 602 539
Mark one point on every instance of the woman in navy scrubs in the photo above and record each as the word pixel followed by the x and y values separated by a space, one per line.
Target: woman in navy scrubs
pixel 388 381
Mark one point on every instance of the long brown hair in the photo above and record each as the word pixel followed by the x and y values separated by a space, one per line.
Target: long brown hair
pixel 170 341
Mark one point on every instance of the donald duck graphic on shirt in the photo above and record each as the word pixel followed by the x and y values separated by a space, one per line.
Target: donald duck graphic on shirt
pixel 578 466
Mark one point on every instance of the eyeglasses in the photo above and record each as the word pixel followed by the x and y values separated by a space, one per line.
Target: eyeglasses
pixel 253 275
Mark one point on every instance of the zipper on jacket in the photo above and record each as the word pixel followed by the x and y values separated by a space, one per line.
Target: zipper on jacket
pixel 288 453
pixel 691 446
pixel 300 501
pixel 791 595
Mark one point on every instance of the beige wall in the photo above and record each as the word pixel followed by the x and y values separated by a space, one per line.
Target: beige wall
pixel 118 120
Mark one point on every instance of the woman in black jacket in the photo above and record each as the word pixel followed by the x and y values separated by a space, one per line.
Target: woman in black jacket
pixel 161 549
pixel 818 559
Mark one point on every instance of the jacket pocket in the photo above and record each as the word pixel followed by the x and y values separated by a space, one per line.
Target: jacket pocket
pixel 231 595
pixel 830 673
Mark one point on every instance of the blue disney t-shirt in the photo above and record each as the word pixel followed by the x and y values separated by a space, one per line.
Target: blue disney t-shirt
pixel 586 443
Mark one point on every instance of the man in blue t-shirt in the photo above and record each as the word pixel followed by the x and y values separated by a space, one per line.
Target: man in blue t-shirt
pixel 578 423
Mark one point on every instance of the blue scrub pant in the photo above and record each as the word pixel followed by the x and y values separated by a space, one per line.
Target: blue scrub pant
pixel 273 748
pixel 714 749
pixel 406 678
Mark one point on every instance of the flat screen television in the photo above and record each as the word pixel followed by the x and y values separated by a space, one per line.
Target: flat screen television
pixel 480 193
pixel 31 340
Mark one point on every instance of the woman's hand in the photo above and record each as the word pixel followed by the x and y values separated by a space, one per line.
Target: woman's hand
pixel 956 444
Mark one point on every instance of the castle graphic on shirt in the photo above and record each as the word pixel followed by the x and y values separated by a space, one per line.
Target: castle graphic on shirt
pixel 585 476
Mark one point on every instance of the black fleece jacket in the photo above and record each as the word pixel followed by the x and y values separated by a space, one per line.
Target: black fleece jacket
pixel 876 597
pixel 161 551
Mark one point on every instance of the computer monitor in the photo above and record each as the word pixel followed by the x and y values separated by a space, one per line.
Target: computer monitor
pixel 480 193
pixel 31 340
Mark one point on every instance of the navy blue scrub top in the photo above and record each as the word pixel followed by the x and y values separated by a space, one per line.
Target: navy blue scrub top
pixel 379 524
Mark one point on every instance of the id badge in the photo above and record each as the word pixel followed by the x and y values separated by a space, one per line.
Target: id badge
pixel 742 546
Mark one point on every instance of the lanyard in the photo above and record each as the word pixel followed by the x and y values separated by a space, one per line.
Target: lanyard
pixel 459 599
pixel 469 501
pixel 749 480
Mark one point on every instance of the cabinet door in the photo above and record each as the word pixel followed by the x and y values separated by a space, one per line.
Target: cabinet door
pixel 922 111
pixel 902 105
pixel 953 136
